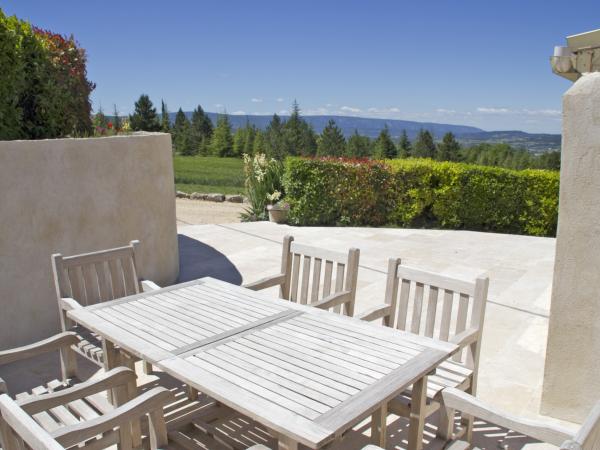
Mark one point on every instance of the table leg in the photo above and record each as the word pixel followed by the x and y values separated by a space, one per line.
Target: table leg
pixel 286 443
pixel 379 426
pixel 111 358
pixel 417 418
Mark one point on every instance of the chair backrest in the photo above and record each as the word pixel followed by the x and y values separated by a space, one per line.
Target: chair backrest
pixel 97 277
pixel 312 273
pixel 435 305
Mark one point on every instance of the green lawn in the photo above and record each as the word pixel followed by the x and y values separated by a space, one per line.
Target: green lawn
pixel 209 174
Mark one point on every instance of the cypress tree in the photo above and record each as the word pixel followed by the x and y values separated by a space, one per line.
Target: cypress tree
pixel 449 149
pixel 116 119
pixel 201 130
pixel 165 122
pixel 424 145
pixel 404 147
pixel 221 143
pixel 384 147
pixel 331 141
pixel 144 117
pixel 250 137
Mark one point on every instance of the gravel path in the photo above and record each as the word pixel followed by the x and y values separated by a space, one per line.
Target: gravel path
pixel 194 212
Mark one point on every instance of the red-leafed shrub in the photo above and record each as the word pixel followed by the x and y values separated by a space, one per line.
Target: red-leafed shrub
pixel 44 90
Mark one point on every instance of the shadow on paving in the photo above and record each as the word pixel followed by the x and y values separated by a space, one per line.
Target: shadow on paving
pixel 197 260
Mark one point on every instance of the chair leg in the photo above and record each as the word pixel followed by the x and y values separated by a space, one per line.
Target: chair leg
pixel 446 423
pixel 132 392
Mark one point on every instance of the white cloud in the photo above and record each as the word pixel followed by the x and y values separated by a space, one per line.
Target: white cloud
pixel 520 112
pixel 218 105
pixel 279 99
pixel 487 110
pixel 284 112
pixel 238 113
pixel 445 111
pixel 350 109
pixel 256 100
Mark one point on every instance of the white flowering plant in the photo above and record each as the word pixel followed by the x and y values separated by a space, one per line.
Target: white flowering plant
pixel 263 185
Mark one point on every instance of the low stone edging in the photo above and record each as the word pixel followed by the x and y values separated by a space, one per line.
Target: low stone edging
pixel 212 197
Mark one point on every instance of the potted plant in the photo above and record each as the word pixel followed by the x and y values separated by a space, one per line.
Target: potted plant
pixel 278 209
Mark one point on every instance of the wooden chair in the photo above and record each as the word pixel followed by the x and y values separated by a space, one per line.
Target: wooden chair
pixel 586 438
pixel 20 430
pixel 300 278
pixel 91 278
pixel 71 411
pixel 443 308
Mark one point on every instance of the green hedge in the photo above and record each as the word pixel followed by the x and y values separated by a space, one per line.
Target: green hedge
pixel 421 193
pixel 44 91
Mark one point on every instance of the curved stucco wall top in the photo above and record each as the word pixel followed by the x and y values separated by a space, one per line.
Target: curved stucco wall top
pixel 77 195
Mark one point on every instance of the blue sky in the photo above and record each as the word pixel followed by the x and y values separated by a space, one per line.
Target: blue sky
pixel 479 63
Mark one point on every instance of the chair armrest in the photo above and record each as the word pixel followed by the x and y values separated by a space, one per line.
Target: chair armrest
pixel 117 377
pixel 549 433
pixel 377 312
pixel 149 402
pixel 56 342
pixel 148 286
pixel 338 298
pixel 264 283
pixel 465 338
pixel 68 303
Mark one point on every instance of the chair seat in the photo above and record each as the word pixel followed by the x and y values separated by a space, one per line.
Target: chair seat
pixel 448 374
pixel 89 346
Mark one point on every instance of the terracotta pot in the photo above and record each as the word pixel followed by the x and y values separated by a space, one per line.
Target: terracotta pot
pixel 277 214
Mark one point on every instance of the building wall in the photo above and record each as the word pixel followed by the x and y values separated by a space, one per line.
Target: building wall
pixel 572 371
pixel 77 195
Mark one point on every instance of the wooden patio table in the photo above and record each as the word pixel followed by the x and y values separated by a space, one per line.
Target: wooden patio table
pixel 306 374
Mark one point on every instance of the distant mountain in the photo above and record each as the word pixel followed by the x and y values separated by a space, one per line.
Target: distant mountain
pixel 371 127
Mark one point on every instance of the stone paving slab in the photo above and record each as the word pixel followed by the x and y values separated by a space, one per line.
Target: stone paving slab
pixel 519 267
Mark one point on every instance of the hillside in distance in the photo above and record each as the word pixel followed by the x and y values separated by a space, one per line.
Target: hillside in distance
pixel 467 135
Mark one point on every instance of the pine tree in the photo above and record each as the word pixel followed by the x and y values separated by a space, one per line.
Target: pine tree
pixel 181 131
pixel 116 119
pixel 258 146
pixel 358 146
pixel 384 147
pixel 274 144
pixel 424 145
pixel 404 146
pixel 165 121
pixel 221 143
pixel 239 140
pixel 300 138
pixel 144 117
pixel 250 137
pixel 331 141
pixel 449 149
pixel 201 130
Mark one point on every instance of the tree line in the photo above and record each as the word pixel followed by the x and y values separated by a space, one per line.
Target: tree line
pixel 296 137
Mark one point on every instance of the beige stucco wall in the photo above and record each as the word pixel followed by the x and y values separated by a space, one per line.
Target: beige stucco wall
pixel 72 196
pixel 572 372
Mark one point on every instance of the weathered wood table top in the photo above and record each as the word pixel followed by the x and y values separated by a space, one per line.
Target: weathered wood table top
pixel 305 373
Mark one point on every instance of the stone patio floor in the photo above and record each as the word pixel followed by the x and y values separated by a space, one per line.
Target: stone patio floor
pixel 519 267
